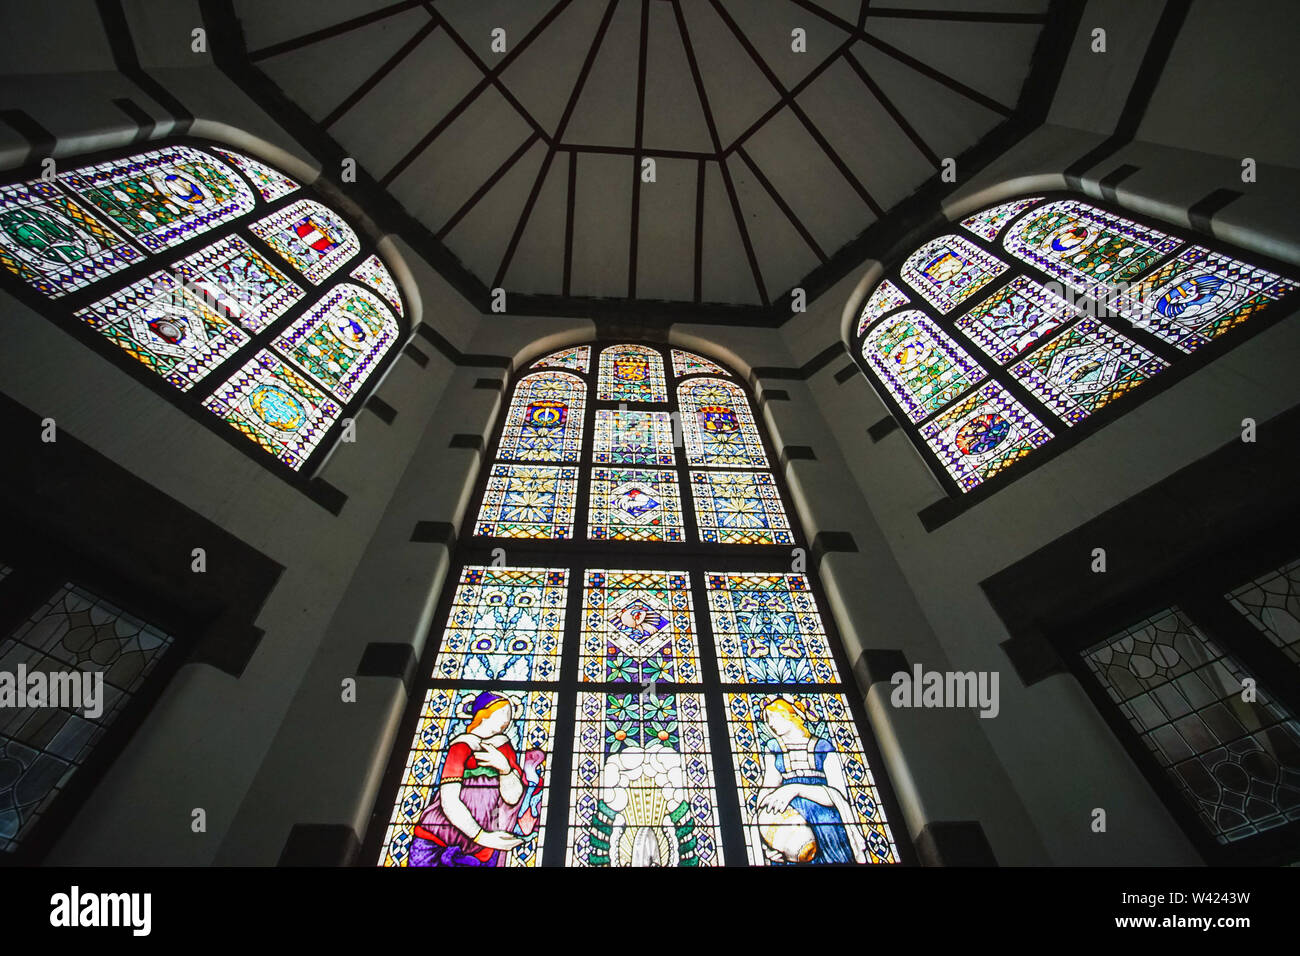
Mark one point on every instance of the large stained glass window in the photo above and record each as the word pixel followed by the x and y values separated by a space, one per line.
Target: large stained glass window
pixel 215 279
pixel 1044 317
pixel 621 613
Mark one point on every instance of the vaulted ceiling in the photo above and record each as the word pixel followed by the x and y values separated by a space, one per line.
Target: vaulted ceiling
pixel 527 165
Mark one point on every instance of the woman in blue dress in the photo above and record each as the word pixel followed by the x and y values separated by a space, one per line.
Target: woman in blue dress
pixel 803 808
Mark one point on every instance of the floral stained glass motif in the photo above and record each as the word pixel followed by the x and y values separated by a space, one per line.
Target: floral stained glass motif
pixel 504 624
pixel 688 363
pixel 1015 317
pixel 545 419
pixel 989 222
pixel 54 243
pixel 949 270
pixel 483 752
pixel 235 281
pixel 576 359
pixel 921 365
pixel 983 434
pixel 310 237
pixel 341 339
pixel 768 630
pixel 375 274
pixel 275 407
pixel 885 298
pixel 1084 247
pixel 739 507
pixel 631 373
pixel 42 747
pixel 1272 603
pixel 633 438
pixel 1199 295
pixel 807 793
pixel 1236 762
pixel 634 504
pixel 269 183
pixel 165 196
pixel 643 791
pixel 1086 367
pixel 638 627
pixel 528 501
pixel 717 426
pixel 160 323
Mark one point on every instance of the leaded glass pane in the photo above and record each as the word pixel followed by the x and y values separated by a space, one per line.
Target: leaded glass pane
pixel 1272 604
pixel 576 359
pixel 634 504
pixel 988 223
pixel 341 339
pixel 633 438
pixel 643 791
pixel 237 282
pixel 949 270
pixel 310 237
pixel 885 298
pixel 717 425
pixel 1085 368
pixel 1014 317
pixel 375 274
pixel 922 366
pixel 528 501
pixel 638 627
pixel 479 761
pixel 1236 761
pixel 504 624
pixel 739 507
pixel 545 419
pixel 807 793
pixel 55 244
pixel 983 434
pixel 767 630
pixel 631 373
pixel 270 183
pixel 688 363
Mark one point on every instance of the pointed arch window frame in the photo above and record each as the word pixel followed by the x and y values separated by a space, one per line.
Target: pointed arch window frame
pixel 1179 365
pixel 62 311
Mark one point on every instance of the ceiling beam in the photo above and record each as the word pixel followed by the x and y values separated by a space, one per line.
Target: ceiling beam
pixel 337 29
pixel 639 141
pixel 895 114
pixel 355 97
pixel 782 204
pixel 484 189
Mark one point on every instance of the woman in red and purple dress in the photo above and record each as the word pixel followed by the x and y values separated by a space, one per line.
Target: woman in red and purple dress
pixel 486 803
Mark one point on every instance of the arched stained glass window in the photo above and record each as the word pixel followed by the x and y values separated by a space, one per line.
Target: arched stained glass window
pixel 994 344
pixel 545 418
pixel 624 671
pixel 217 280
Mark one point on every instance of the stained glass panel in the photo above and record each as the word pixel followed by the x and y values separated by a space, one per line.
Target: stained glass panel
pixel 576 359
pixel 528 501
pixel 340 340
pixel 767 630
pixel 807 793
pixel 269 183
pixel 165 196
pixel 638 627
pixel 479 759
pixel 633 438
pixel 1272 604
pixel 921 365
pixel 739 507
pixel 159 323
pixel 1085 247
pixel 54 243
pixel 41 747
pixel 310 237
pixel 885 298
pixel 1236 761
pixel 235 281
pixel 983 434
pixel 643 791
pixel 634 504
pixel 1015 317
pixel 631 373
pixel 717 425
pixel 504 624
pixel 1200 295
pixel 949 270
pixel 988 223
pixel 688 363
pixel 271 404
pixel 376 275
pixel 545 419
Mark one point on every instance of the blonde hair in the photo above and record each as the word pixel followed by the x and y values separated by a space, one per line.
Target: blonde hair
pixel 486 712
pixel 793 711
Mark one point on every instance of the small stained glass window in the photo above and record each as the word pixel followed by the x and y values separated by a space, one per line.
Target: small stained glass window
pixel 545 419
pixel 886 298
pixel 1014 317
pixel 768 630
pixel 269 183
pixel 949 270
pixel 631 373
pixel 717 425
pixel 922 366
pixel 310 237
pixel 633 438
pixel 577 359
pixel 528 501
pixel 375 274
pixel 739 507
pixel 982 434
pixel 1272 603
pixel 341 339
pixel 989 223
pixel 635 504
pixel 638 627
pixel 688 363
